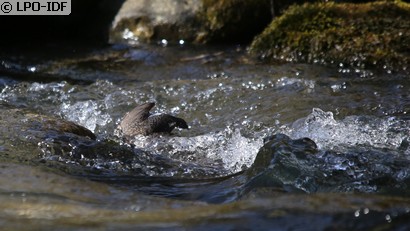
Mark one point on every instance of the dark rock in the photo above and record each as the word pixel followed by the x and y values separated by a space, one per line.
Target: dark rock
pixel 280 145
pixel 140 122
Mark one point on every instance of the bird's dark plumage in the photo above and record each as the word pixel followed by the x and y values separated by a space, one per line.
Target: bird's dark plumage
pixel 140 122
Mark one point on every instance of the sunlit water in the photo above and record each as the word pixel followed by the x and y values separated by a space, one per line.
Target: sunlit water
pixel 358 119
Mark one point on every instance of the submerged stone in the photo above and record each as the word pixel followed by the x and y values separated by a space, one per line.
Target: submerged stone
pixel 366 35
pixel 23 133
pixel 42 125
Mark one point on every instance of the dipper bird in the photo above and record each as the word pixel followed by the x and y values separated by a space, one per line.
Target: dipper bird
pixel 140 122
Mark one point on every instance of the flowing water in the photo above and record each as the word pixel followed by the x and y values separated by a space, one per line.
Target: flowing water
pixel 242 164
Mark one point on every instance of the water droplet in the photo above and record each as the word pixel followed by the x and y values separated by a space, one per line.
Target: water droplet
pixel 388 218
pixel 128 35
pixel 164 42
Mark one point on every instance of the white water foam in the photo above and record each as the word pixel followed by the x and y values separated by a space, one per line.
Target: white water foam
pixel 228 148
pixel 327 132
pixel 85 113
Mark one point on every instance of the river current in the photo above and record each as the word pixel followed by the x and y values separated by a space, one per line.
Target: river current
pixel 243 162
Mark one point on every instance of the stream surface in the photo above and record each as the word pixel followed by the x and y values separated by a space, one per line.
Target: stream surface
pixel 244 164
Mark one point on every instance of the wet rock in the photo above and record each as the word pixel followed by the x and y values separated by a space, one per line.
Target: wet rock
pixel 22 131
pixel 282 161
pixel 61 126
pixel 297 165
pixel 27 122
pixel 356 35
pixel 197 21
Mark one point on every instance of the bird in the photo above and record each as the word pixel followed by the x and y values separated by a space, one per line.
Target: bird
pixel 139 121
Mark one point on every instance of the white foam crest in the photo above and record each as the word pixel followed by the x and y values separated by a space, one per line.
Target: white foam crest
pixel 238 153
pixel 227 148
pixel 327 132
pixel 85 113
pixel 47 87
pixel 286 81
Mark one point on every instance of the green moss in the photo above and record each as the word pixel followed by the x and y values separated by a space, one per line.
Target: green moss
pixel 365 35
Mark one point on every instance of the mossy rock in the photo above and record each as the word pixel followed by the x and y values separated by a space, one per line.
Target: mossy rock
pixel 366 35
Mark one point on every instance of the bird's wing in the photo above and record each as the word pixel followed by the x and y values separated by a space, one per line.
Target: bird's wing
pixel 137 115
pixel 140 112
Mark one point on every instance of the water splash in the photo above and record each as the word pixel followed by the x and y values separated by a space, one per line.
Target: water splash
pixel 87 113
pixel 327 132
pixel 227 149
pixel 101 105
pixel 248 105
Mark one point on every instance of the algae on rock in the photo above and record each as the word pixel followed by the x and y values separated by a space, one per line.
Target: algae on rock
pixel 366 35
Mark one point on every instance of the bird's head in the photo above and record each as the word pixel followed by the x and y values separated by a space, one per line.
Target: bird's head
pixel 181 123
